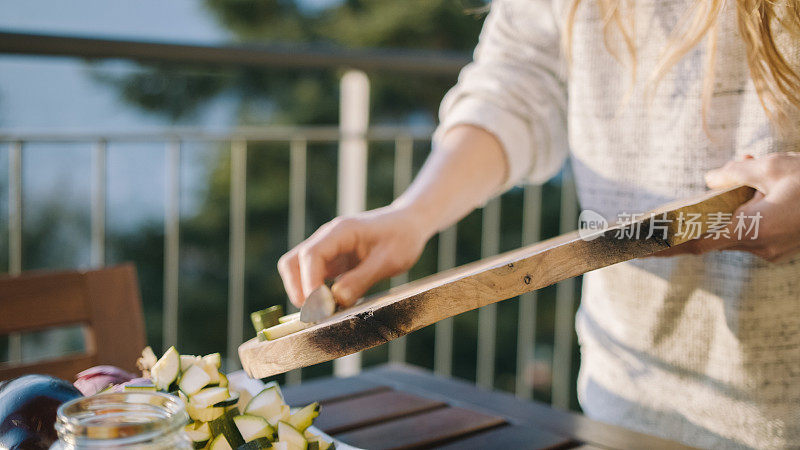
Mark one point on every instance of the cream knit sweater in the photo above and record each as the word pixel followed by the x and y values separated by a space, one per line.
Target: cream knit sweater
pixel 700 349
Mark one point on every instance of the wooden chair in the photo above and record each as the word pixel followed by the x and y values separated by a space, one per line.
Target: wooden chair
pixel 105 301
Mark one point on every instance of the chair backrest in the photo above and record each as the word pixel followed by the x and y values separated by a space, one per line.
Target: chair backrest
pixel 106 302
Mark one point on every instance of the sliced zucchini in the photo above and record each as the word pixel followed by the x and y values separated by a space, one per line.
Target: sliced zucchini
pixel 214 359
pixel 304 417
pixel 209 397
pixel 284 329
pixel 219 443
pixel 213 373
pixel 204 414
pixel 294 438
pixel 318 443
pixel 166 370
pixel 289 317
pixel 143 386
pixel 230 401
pixel 187 361
pixel 147 360
pixel 193 380
pixel 253 427
pixel 224 425
pixel 261 443
pixel 266 318
pixel 280 446
pixel 197 433
pixel 267 403
pixel 282 416
pixel 223 380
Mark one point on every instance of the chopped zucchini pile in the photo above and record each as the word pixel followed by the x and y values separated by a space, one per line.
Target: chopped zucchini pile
pixel 218 421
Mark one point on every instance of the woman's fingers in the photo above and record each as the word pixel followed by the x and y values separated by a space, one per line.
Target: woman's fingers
pixel 289 269
pixel 324 247
pixel 353 284
pixel 749 171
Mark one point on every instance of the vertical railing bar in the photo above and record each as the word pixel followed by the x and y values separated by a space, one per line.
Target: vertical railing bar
pixel 15 233
pixel 487 316
pixel 403 168
pixel 565 302
pixel 298 149
pixel 236 261
pixel 352 170
pixel 171 243
pixel 443 341
pixel 526 330
pixel 99 204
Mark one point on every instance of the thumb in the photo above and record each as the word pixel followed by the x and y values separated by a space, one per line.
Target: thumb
pixel 351 285
pixel 747 172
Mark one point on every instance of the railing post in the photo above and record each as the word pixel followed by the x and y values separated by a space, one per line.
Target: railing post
pixel 526 326
pixel 297 215
pixel 443 330
pixel 351 199
pixel 171 243
pixel 237 252
pixel 487 316
pixel 565 302
pixel 99 204
pixel 403 168
pixel 15 233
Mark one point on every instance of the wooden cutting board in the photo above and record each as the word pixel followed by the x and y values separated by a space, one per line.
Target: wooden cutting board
pixel 399 311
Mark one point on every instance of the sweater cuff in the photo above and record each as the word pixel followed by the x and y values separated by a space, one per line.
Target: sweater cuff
pixel 511 131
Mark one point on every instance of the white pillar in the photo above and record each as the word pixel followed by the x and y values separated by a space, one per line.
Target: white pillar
pixel 353 124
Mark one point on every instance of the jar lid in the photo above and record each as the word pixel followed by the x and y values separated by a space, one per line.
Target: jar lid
pixel 119 418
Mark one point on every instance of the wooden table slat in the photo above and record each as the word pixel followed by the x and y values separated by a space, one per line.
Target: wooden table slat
pixel 512 437
pixel 467 395
pixel 421 430
pixel 329 390
pixel 371 409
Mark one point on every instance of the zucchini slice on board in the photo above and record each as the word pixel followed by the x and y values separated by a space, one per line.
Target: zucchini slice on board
pixel 193 380
pixel 288 434
pixel 266 317
pixel 166 370
pixel 220 443
pixel 289 317
pixel 253 427
pixel 261 443
pixel 284 329
pixel 209 397
pixel 304 417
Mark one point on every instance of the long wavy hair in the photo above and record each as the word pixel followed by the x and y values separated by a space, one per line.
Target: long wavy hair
pixel 760 21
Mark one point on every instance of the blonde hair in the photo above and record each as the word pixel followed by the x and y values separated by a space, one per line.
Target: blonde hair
pixel 776 80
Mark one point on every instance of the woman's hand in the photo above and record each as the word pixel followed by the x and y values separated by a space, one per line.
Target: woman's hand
pixel 467 167
pixel 777 178
pixel 360 250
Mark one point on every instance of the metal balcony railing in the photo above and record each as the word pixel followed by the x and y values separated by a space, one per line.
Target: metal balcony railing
pixel 354 138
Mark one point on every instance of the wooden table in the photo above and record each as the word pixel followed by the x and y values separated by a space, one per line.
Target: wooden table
pixel 400 407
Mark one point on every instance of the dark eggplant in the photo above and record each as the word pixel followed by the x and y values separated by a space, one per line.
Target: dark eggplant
pixel 28 407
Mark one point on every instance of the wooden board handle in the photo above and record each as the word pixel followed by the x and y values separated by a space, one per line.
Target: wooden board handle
pixel 399 311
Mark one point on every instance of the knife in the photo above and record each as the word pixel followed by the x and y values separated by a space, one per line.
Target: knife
pixel 319 305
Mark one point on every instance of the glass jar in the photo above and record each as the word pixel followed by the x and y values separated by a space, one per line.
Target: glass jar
pixel 126 420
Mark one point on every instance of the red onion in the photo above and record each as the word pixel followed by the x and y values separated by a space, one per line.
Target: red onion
pixel 95 379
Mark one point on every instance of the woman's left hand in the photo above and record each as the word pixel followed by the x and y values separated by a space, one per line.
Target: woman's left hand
pixel 777 178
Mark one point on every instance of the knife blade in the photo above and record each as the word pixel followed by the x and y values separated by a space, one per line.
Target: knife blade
pixel 319 305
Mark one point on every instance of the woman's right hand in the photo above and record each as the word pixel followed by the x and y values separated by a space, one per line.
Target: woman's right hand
pixel 357 251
